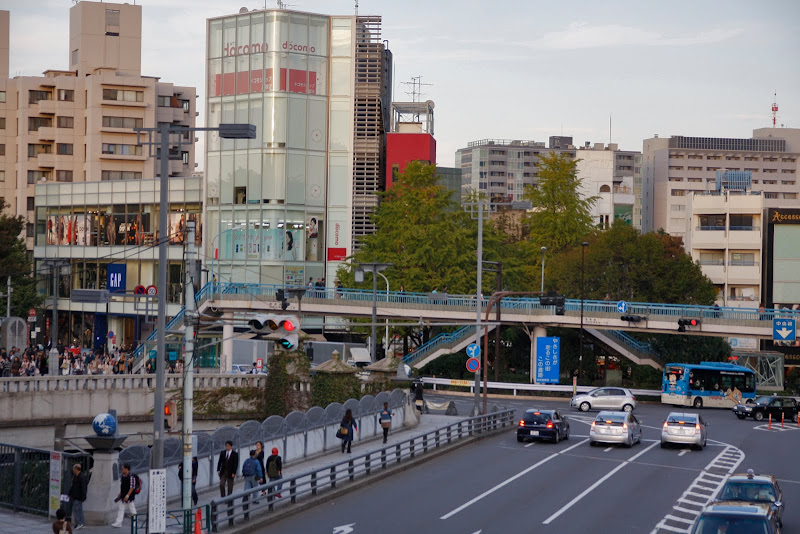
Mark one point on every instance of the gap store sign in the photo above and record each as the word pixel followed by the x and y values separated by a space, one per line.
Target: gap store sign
pixel 116 277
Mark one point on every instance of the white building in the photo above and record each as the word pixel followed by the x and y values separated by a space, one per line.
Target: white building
pixel 611 175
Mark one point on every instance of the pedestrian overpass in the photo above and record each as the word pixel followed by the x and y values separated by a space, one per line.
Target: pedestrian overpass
pixel 236 302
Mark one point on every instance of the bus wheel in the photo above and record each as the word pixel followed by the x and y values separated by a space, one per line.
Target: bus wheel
pixel 698 402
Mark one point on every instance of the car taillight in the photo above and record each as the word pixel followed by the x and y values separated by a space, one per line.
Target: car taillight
pixel 549 424
pixel 665 425
pixel 594 424
pixel 633 397
pixel 624 426
pixel 697 428
pixel 522 422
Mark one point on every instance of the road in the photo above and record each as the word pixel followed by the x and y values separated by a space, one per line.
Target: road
pixel 498 485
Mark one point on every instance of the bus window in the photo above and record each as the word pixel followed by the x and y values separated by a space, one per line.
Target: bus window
pixel 750 384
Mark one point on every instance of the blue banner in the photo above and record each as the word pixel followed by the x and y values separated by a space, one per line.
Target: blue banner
pixel 115 278
pixel 548 359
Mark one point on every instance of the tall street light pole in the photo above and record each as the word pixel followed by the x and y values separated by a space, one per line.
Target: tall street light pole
pixel 544 249
pixel 386 321
pixel 375 268
pixel 478 307
pixel 580 341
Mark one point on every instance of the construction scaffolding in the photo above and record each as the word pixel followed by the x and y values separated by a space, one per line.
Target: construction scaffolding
pixel 768 367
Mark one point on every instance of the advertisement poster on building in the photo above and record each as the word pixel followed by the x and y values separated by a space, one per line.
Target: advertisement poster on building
pixel 55 482
pixel 176 228
pixel 292 246
pixel 294 276
pixel 239 245
pixel 313 242
pixel 83 229
pixel 270 243
pixel 253 244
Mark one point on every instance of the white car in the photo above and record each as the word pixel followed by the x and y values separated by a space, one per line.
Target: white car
pixel 240 369
pixel 606 398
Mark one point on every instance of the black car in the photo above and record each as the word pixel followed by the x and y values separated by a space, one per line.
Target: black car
pixel 763 407
pixel 543 424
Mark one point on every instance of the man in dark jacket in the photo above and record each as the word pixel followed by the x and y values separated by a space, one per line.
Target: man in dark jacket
pixel 77 494
pixel 194 478
pixel 128 484
pixel 227 465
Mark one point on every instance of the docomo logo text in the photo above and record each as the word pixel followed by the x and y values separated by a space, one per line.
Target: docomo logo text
pixel 294 47
pixel 232 50
pixel 336 234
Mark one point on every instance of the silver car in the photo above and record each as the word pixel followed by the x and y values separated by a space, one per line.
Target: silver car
pixel 615 427
pixel 607 398
pixel 684 429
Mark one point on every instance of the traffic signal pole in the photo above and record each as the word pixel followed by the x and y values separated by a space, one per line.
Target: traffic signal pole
pixel 188 364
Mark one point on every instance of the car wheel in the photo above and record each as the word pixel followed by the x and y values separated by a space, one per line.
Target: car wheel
pixel 585 406
pixel 627 408
pixel 663 444
pixel 557 438
pixel 592 443
pixel 794 418
pixel 741 415
pixel 519 438
pixel 758 416
pixel 698 403
pixel 566 436
pixel 629 444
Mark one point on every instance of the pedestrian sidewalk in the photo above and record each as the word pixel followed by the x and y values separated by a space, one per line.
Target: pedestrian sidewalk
pixel 20 523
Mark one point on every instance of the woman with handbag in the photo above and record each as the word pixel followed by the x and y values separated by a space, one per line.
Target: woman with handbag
pixel 346 430
pixel 386 420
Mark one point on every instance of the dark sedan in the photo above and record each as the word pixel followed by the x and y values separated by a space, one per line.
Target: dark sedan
pixel 543 424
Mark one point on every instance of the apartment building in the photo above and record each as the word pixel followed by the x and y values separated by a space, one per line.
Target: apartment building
pixel 677 166
pixel 71 163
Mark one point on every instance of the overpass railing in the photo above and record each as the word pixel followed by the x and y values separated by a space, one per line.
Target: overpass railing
pixel 439 341
pixel 238 507
pixel 123 382
pixel 140 353
pixel 516 388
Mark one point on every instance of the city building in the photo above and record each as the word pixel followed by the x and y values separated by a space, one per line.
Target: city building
pixel 411 137
pixel 293 203
pixel 501 168
pixel 71 163
pixel 611 175
pixel 676 166
pixel 780 275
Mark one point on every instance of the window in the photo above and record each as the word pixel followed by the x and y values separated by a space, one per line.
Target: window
pixel 65 122
pixel 678 193
pixel 713 157
pixel 34 149
pixel 75 56
pixel 2 96
pixel 712 222
pixel 185 105
pixel 122 122
pixel 35 96
pixel 123 96
pixel 741 222
pixel 66 95
pixel 770 171
pixel 695 168
pixel 64 176
pixel 2 123
pixel 790 196
pixel 770 195
pixel 122 150
pixel 787 171
pixel 185 158
pixel 37 176
pixel 2 150
pixel 712 258
pixel 34 123
pixel 112 22
pixel 31 204
pixel 29 230
pixel 2 176
pixel 65 149
pixel 743 258
pixel 164 101
pixel 677 207
pixel 120 175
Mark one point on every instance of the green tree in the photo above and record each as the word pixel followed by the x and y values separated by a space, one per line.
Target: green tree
pixel 561 216
pixel 14 262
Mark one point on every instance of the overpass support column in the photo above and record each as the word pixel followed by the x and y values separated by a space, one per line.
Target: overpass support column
pixel 538 331
pixel 226 358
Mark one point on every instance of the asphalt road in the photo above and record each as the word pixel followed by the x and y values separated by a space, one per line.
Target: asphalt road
pixel 498 485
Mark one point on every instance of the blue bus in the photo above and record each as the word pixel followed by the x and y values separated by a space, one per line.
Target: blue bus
pixel 707 384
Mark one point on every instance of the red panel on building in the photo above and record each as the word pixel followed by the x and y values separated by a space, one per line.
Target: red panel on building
pixel 404 147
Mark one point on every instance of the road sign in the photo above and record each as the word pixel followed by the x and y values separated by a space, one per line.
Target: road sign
pixel 473 350
pixel 548 359
pixel 783 330
pixel 55 483
pixel 32 319
pixel 139 290
pixel 622 306
pixel 157 502
pixel 259 363
pixel 110 333
pixel 473 365
pixel 32 312
pixel 151 290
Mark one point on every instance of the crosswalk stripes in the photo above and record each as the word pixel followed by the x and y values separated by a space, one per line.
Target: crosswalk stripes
pixel 700 492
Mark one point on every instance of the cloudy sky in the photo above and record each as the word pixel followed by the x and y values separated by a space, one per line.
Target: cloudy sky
pixel 519 69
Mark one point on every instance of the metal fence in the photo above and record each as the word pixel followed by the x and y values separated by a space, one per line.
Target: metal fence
pixel 238 507
pixel 25 477
pixel 184 520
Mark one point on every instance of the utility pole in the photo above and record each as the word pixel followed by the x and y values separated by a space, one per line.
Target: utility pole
pixel 52 363
pixel 188 363
pixel 478 307
pixel 9 291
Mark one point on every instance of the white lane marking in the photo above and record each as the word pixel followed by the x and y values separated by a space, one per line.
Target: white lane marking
pixel 591 488
pixel 530 444
pixel 684 451
pixel 344 529
pixel 509 480
pixel 607 449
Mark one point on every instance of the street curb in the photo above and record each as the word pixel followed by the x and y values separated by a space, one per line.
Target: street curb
pixel 258 522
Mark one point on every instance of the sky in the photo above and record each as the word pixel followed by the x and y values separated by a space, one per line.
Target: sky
pixel 523 69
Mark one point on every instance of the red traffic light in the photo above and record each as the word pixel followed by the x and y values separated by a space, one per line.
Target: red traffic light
pixel 167 411
pixel 692 322
pixel 288 325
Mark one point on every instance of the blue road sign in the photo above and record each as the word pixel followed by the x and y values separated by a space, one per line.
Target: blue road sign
pixel 622 306
pixel 548 359
pixel 783 330
pixel 473 365
pixel 473 350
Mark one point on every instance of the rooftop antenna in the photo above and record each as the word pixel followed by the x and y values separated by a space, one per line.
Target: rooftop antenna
pixel 609 128
pixel 356 8
pixel 416 88
pixel 774 108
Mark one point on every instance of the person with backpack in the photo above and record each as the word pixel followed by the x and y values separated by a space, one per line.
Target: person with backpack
pixel 77 494
pixel 274 472
pixel 386 420
pixel 252 473
pixel 130 486
pixel 61 525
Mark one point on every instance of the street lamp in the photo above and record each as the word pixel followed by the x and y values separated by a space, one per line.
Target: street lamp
pixel 375 268
pixel 544 249
pixel 386 335
pixel 163 132
pixel 580 341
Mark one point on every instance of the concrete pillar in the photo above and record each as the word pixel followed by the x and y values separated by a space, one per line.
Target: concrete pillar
pixel 538 331
pixel 100 508
pixel 226 358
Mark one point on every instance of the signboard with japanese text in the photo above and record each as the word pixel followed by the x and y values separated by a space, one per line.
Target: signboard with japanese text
pixel 548 359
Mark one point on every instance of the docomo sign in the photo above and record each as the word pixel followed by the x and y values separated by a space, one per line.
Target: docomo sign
pixel 231 49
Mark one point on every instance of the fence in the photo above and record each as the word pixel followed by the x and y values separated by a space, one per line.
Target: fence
pixel 239 506
pixel 121 382
pixel 183 520
pixel 298 435
pixel 514 388
pixel 25 477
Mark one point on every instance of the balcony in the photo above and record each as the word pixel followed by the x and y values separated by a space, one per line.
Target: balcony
pixel 744 237
pixel 715 270
pixel 46 133
pixel 47 107
pixel 46 160
pixel 739 301
pixel 744 272
pixel 708 237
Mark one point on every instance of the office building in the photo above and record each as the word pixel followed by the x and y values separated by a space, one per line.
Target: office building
pixel 70 162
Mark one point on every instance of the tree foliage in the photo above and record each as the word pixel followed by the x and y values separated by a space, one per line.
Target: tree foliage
pixel 14 262
pixel 561 216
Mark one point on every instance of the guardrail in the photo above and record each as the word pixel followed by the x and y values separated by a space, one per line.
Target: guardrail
pixel 515 387
pixel 438 341
pixel 46 383
pixel 183 520
pixel 239 506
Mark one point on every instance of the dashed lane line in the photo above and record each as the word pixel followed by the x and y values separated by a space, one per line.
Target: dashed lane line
pixel 700 492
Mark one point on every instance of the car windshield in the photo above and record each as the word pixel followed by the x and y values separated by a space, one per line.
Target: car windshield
pixel 747 491
pixel 731 524
pixel 536 417
pixel 763 400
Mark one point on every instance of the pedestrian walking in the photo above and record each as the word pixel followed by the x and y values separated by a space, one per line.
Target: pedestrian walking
pixel 61 525
pixel 252 473
pixel 227 465
pixel 260 458
pixel 346 430
pixel 194 478
pixel 77 494
pixel 275 472
pixel 386 420
pixel 129 486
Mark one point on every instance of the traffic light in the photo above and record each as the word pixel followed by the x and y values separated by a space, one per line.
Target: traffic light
pixel 284 327
pixel 280 295
pixel 554 299
pixel 632 318
pixel 170 415
pixel 560 305
pixel 684 322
